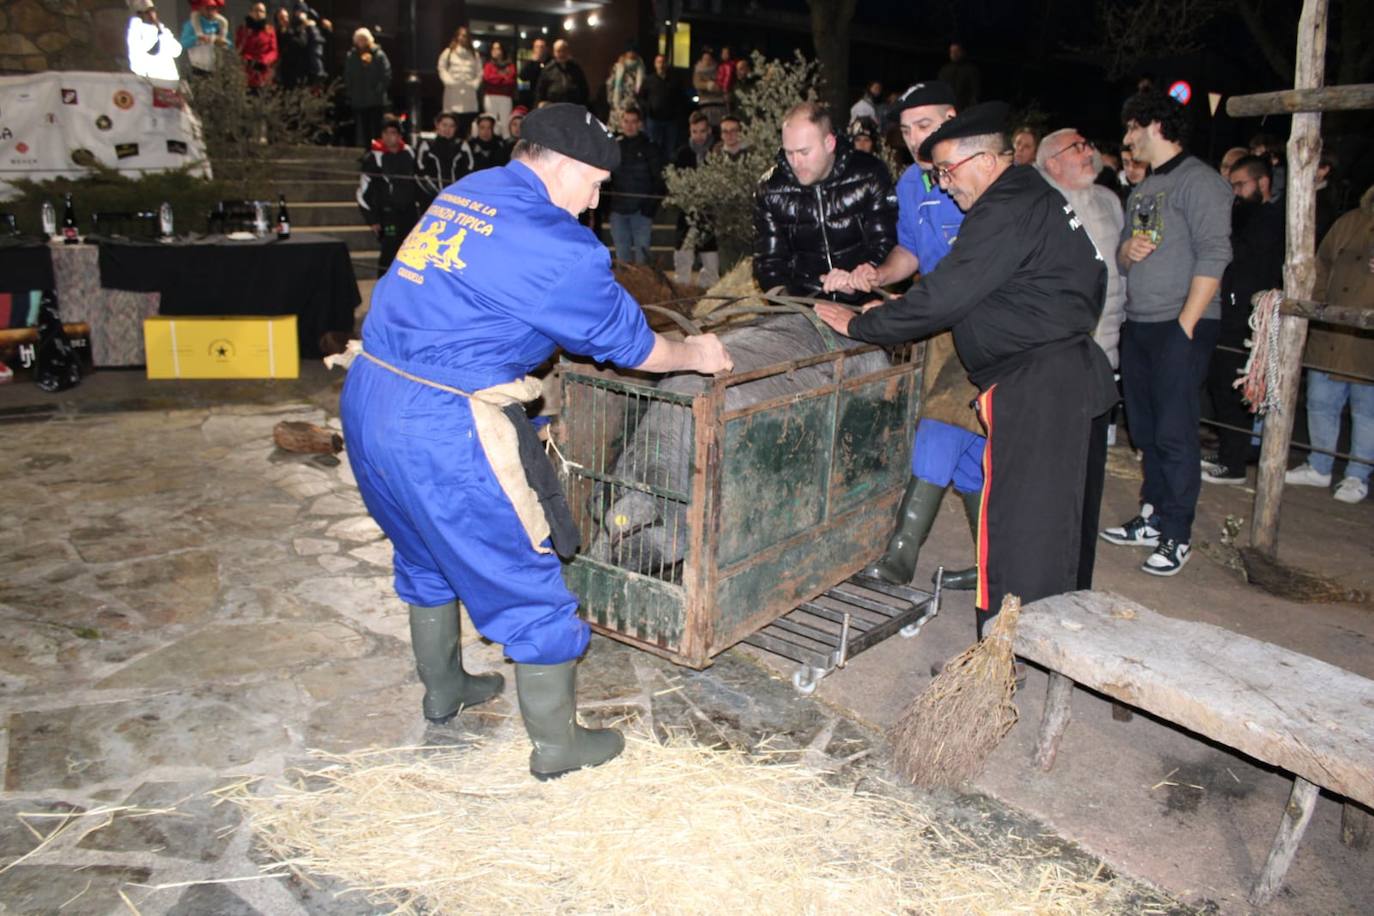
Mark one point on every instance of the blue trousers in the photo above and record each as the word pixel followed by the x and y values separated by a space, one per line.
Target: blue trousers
pixel 944 454
pixel 1326 398
pixel 1161 377
pixel 631 232
pixel 426 481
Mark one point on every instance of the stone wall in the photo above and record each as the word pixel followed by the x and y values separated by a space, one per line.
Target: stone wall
pixel 62 35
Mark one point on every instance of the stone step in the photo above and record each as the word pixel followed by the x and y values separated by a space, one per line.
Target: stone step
pixel 320 214
pixel 333 190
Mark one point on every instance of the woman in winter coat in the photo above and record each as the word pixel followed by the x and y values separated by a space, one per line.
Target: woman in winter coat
pixel 460 70
pixel 498 87
pixel 256 41
pixel 367 75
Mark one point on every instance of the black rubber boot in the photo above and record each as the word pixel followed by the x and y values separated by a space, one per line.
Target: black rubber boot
pixel 439 660
pixel 963 580
pixel 548 706
pixel 915 516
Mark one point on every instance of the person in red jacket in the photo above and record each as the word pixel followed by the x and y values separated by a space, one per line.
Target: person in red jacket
pixel 256 42
pixel 498 86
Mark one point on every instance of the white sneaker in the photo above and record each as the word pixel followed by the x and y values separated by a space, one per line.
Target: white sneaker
pixel 1304 475
pixel 1352 490
pixel 1168 558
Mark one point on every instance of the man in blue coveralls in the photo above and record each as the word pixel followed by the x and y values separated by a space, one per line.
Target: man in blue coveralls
pixel 949 443
pixel 495 277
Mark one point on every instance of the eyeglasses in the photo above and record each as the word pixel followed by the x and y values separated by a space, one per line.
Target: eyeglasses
pixel 1076 146
pixel 945 173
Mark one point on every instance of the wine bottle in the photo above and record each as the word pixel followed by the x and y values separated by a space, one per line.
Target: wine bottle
pixel 283 218
pixel 164 220
pixel 69 234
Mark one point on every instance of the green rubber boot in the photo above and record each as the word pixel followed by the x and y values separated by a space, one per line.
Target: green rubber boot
pixel 548 706
pixel 964 580
pixel 439 660
pixel 915 515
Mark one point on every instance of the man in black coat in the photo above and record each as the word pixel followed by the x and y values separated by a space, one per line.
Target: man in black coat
pixel 530 70
pixel 562 79
pixel 661 101
pixel 443 160
pixel 389 193
pixel 635 187
pixel 1022 288
pixel 1257 254
pixel 488 150
pixel 824 206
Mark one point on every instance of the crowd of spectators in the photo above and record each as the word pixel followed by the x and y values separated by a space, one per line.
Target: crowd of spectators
pixel 1225 239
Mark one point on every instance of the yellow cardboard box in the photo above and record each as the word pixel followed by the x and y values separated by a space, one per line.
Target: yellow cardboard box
pixel 242 346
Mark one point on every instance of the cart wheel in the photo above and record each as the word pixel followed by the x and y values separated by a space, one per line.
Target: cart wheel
pixel 806 680
pixel 910 630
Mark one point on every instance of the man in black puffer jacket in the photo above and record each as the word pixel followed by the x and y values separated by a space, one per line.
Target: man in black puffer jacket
pixel 824 206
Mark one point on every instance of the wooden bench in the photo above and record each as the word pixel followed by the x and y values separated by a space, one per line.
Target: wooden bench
pixel 1293 712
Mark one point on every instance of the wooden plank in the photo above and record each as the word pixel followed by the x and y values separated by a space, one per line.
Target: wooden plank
pixel 1291 101
pixel 1296 815
pixel 1297 713
pixel 1331 314
pixel 1299 279
pixel 1058 710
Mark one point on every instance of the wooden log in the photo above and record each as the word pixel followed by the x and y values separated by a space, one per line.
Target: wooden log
pixel 1058 711
pixel 1357 825
pixel 1299 276
pixel 1330 314
pixel 1291 101
pixel 298 436
pixel 1296 816
pixel 12 337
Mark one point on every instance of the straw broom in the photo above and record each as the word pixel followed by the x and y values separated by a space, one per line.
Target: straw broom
pixel 947 733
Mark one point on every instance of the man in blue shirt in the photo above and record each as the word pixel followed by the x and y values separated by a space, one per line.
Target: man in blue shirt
pixel 949 444
pixel 497 275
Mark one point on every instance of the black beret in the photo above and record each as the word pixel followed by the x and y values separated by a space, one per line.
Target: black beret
pixel 931 92
pixel 987 118
pixel 573 131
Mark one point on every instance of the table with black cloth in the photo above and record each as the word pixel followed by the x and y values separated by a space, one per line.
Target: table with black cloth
pixel 310 276
pixel 24 265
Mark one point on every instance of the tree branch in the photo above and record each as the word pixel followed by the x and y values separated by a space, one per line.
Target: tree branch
pixel 1274 56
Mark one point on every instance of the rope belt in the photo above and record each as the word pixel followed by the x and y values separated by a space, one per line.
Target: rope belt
pixel 512 449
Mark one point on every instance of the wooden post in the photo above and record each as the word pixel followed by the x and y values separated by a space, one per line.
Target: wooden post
pixel 1299 278
pixel 1295 817
pixel 1058 708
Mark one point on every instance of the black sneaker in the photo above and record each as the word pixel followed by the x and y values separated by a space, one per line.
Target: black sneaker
pixel 1168 558
pixel 1141 531
pixel 1216 472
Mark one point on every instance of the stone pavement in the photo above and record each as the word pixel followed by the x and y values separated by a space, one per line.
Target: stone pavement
pixel 182 607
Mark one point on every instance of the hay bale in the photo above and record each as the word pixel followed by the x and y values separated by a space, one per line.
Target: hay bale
pixel 738 282
pixel 666 828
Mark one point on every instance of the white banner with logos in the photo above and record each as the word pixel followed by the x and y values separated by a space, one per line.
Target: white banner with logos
pixel 52 123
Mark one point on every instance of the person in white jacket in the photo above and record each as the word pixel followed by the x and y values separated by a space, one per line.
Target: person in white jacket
pixel 1070 163
pixel 460 70
pixel 153 49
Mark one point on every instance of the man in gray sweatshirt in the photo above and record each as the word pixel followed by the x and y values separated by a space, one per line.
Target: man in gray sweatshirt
pixel 1174 247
